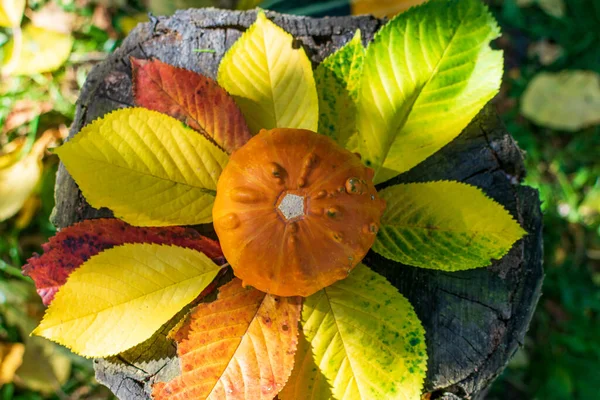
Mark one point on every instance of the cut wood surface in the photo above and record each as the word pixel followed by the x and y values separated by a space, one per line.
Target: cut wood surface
pixel 475 320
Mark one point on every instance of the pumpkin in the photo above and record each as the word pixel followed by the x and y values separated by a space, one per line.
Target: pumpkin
pixel 295 212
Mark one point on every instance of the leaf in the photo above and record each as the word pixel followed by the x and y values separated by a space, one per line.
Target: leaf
pixel 74 245
pixel 45 369
pixel 36 50
pixel 19 177
pixel 382 8
pixel 420 96
pixel 11 357
pixel 337 79
pixel 146 167
pixel 270 78
pixel 569 100
pixel 239 347
pixel 306 381
pixel 366 338
pixel 444 225
pixel 123 296
pixel 193 99
pixel 11 12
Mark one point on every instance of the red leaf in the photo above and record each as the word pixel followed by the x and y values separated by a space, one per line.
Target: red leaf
pixel 240 346
pixel 73 245
pixel 192 98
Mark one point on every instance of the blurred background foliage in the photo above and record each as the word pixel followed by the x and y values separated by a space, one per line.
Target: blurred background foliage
pixel 550 102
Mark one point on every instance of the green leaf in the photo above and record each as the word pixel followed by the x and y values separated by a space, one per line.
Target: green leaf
pixel 337 79
pixel 444 225
pixel 427 73
pixel 123 295
pixel 366 338
pixel 270 78
pixel 569 100
pixel 147 167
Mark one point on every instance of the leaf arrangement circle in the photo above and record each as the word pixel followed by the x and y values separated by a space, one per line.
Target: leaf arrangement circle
pixel 295 212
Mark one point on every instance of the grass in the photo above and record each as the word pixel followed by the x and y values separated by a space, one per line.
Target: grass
pixel 561 356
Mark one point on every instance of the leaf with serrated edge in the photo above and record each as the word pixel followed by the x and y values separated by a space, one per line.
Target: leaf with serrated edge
pixel 366 338
pixel 123 295
pixel 146 167
pixel 270 78
pixel 191 98
pixel 337 79
pixel 75 244
pixel 418 97
pixel 444 225
pixel 240 346
pixel 306 381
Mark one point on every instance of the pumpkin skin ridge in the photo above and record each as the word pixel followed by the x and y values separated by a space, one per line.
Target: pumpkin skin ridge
pixel 317 259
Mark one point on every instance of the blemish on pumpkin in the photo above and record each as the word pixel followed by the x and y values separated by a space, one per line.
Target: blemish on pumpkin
pixel 245 195
pixel 276 170
pixel 333 212
pixel 301 182
pixel 356 186
pixel 293 227
pixel 358 155
pixel 230 221
pixel 373 228
pixel 320 195
pixel 285 328
pixel 338 237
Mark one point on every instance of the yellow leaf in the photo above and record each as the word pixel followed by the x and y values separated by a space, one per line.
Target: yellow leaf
pixel 11 357
pixel 427 73
pixel 147 167
pixel 123 295
pixel 444 225
pixel 11 12
pixel 45 368
pixel 306 381
pixel 382 8
pixel 366 339
pixel 18 178
pixel 271 79
pixel 36 50
pixel 569 100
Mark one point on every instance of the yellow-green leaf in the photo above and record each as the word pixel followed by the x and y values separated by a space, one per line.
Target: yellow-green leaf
pixel 11 12
pixel 121 296
pixel 270 78
pixel 307 381
pixel 569 100
pixel 427 73
pixel 337 79
pixel 444 225
pixel 36 50
pixel 366 339
pixel 20 176
pixel 146 167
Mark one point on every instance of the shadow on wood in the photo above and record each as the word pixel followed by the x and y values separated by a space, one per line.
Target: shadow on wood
pixel 475 320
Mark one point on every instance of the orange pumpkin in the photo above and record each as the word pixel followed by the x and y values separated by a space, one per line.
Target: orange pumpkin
pixel 295 212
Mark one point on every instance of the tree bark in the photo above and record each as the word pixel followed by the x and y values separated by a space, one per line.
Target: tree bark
pixel 475 320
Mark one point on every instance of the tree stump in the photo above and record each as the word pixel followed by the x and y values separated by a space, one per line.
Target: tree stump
pixel 475 320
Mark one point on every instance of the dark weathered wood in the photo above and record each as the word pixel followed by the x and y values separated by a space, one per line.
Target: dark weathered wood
pixel 475 320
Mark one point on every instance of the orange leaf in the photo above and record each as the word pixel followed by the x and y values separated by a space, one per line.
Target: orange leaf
pixel 194 99
pixel 239 347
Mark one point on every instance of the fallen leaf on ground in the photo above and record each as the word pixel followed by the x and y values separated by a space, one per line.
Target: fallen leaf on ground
pixel 45 369
pixel 11 12
pixel 23 112
pixel 11 358
pixel 19 177
pixel 546 52
pixel 568 100
pixel 35 50
pixel 54 18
